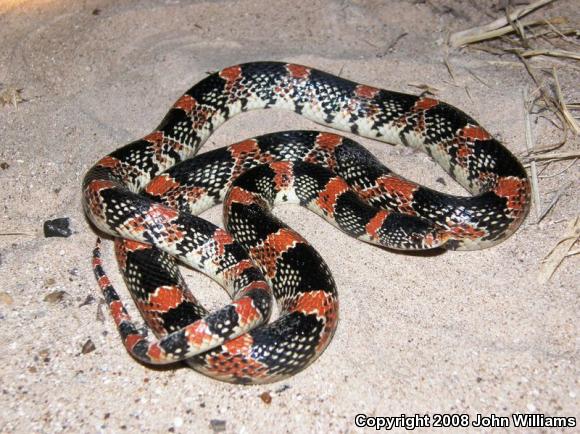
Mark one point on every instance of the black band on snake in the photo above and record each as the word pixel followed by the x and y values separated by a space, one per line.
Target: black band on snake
pixel 147 195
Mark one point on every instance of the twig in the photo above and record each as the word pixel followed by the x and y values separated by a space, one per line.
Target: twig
pixel 13 234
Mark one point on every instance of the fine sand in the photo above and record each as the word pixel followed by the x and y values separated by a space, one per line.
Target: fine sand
pixel 458 332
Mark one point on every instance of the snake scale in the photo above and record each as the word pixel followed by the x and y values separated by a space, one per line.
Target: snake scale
pixel 147 194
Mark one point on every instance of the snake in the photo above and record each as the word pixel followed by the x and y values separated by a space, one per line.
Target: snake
pixel 147 195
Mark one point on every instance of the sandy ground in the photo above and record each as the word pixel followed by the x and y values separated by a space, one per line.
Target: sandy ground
pixel 459 332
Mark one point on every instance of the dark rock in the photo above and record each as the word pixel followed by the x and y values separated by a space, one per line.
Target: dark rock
pixel 217 425
pixel 57 228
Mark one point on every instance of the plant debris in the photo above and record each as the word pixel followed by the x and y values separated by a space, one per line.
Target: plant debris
pixel 546 46
pixel 11 96
pixel 494 29
pixel 560 251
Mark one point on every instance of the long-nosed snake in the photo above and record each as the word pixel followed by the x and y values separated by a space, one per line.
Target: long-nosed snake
pixel 148 192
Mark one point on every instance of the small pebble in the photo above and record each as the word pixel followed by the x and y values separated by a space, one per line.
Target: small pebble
pixel 89 300
pixel 57 228
pixel 55 296
pixel 217 425
pixel 88 347
pixel 266 398
pixel 44 355
pixel 284 388
pixel 100 315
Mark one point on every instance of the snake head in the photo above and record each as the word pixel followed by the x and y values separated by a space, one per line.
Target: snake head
pixel 405 232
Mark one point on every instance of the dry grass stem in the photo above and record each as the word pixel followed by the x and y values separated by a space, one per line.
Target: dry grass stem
pixel 563 33
pixel 426 88
pixel 562 105
pixel 474 75
pixel 515 27
pixel 553 53
pixel 553 175
pixel 13 234
pixel 553 201
pixel 560 251
pixel 551 103
pixel 449 69
pixel 465 37
pixel 529 147
pixel 554 156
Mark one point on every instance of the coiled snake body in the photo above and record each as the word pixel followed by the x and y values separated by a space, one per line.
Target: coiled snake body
pixel 147 194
